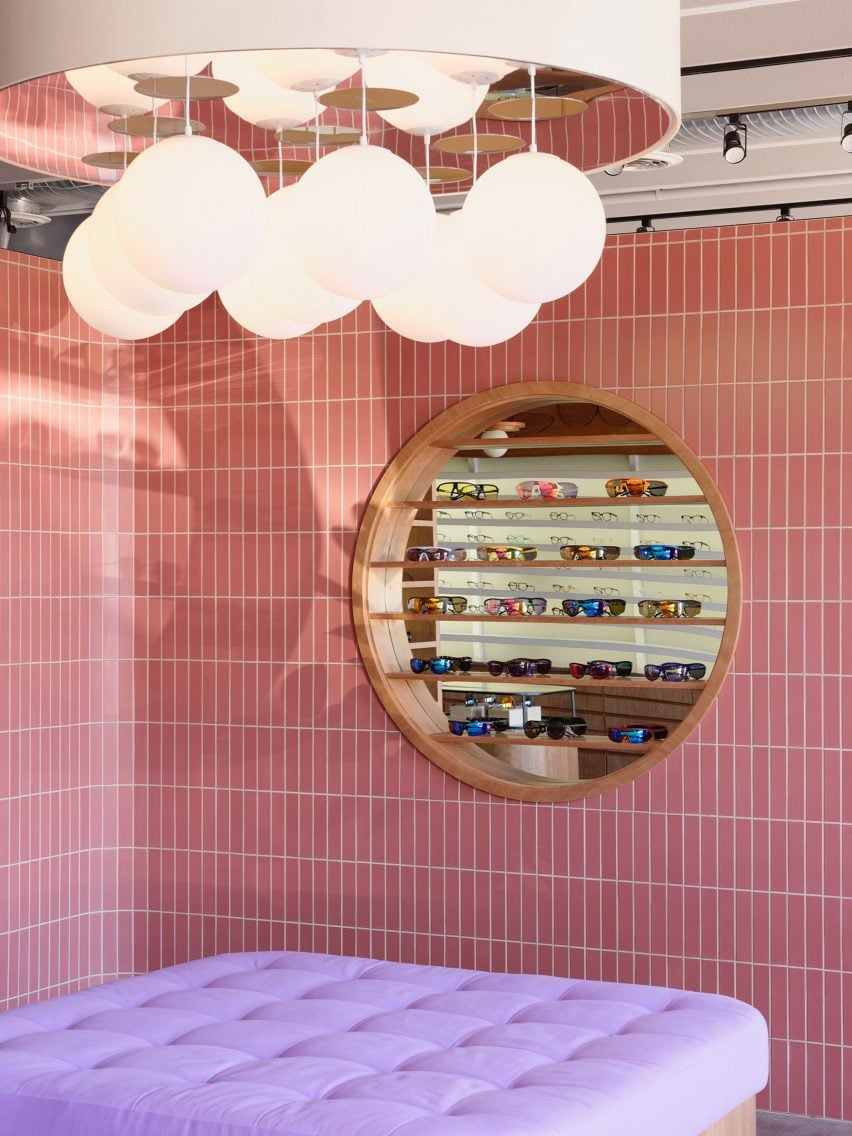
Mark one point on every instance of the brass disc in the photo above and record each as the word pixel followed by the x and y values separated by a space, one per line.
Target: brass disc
pixel 290 167
pixel 547 107
pixel 143 125
pixel 480 143
pixel 443 175
pixel 110 159
pixel 328 136
pixel 378 98
pixel 174 87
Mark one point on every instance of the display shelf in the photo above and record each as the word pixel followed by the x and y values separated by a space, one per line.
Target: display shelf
pixel 554 620
pixel 404 505
pixel 632 683
pixel 525 565
pixel 547 502
pixel 510 737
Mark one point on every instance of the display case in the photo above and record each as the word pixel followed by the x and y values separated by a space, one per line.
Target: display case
pixel 445 491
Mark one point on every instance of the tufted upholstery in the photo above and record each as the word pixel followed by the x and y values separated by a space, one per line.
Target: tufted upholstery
pixel 318 1045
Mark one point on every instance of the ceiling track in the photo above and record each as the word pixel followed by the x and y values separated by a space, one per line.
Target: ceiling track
pixel 767 61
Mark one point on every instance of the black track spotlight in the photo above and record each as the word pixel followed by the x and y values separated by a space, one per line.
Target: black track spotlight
pixel 647 226
pixel 846 129
pixel 734 140
pixel 785 214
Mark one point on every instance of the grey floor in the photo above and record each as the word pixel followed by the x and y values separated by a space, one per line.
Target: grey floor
pixel 777 1124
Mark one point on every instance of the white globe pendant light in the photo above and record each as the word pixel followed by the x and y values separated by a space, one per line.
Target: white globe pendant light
pixel 411 311
pixel 467 68
pixel 260 100
pixel 191 214
pixel 108 91
pixel 124 282
pixel 161 65
pixel 364 222
pixel 254 314
pixel 277 278
pixel 469 312
pixel 94 304
pixel 442 103
pixel 551 227
pixel 316 69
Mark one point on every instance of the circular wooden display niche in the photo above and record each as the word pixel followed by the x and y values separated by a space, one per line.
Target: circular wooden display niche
pixel 561 432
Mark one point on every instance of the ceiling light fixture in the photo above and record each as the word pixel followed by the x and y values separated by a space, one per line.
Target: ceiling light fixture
pixel 646 225
pixel 734 140
pixel 786 214
pixel 846 129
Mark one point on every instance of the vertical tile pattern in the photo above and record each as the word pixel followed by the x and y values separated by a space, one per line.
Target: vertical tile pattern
pixel 277 806
pixel 65 719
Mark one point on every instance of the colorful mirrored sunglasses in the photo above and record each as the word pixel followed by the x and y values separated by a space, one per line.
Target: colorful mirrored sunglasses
pixel 591 608
pixel 637 733
pixel 456 490
pixel 590 552
pixel 635 487
pixel 474 729
pixel 442 664
pixel 557 728
pixel 663 552
pixel 435 552
pixel 506 552
pixel 675 672
pixel 600 668
pixel 442 604
pixel 532 605
pixel 528 490
pixel 669 609
pixel 520 668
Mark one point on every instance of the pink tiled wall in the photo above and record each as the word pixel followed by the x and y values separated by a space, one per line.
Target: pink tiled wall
pixel 276 804
pixel 65 661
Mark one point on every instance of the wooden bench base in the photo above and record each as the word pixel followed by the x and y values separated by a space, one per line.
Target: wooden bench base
pixel 741 1122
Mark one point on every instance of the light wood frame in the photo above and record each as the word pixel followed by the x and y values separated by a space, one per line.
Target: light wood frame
pixel 376 591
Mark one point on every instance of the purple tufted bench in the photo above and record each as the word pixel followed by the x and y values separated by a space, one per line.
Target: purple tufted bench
pixel 316 1045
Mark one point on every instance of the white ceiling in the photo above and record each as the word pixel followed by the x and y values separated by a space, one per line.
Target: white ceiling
pixel 794 154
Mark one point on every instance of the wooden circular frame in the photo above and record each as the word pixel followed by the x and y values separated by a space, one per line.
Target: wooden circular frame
pixel 384 534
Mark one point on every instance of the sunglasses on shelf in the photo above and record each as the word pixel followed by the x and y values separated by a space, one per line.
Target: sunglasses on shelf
pixel 669 609
pixel 675 672
pixel 590 552
pixel 564 587
pixel 515 515
pixel 479 538
pixel 456 490
pixel 520 586
pixel 436 552
pixel 637 733
pixel 506 552
pixel 600 591
pixel 591 608
pixel 474 729
pixel 557 728
pixel 478 515
pixel 600 668
pixel 663 552
pixel 635 487
pixel 649 518
pixel 695 519
pixel 442 664
pixel 445 605
pixel 698 573
pixel 605 518
pixel 698 544
pixel 529 490
pixel 519 668
pixel 508 605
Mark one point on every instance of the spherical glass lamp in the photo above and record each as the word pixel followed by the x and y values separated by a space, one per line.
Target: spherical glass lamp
pixel 551 227
pixel 108 91
pixel 364 222
pixel 276 275
pixel 410 311
pixel 252 312
pixel 471 68
pixel 118 276
pixel 94 304
pixel 191 214
pixel 469 312
pixel 314 69
pixel 442 103
pixel 260 100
